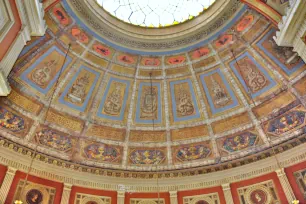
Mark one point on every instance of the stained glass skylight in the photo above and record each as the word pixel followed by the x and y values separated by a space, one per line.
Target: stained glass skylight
pixel 155 13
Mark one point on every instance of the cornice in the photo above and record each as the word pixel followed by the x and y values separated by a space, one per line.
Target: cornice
pixel 136 43
pixel 18 157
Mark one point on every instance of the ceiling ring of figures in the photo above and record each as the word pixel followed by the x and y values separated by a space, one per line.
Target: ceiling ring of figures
pixel 209 105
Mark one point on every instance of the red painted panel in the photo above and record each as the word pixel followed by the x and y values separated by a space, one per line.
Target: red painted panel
pixel 11 35
pixel 77 189
pixel 20 175
pixel 258 9
pixel 290 174
pixel 164 195
pixel 270 176
pixel 3 170
pixel 217 189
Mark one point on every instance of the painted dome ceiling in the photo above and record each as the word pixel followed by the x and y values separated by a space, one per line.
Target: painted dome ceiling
pixel 227 95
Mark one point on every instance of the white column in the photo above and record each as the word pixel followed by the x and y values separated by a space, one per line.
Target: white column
pixel 227 193
pixel 35 15
pixel 173 197
pixel 66 193
pixel 285 185
pixel 120 197
pixel 7 182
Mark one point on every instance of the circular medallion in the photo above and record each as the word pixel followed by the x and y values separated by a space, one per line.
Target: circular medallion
pixel 34 196
pixel 202 202
pixel 258 196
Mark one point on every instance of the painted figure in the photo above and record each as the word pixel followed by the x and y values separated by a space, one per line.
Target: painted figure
pixel 77 94
pixel 148 104
pixel 42 75
pixel 102 50
pixel 113 102
pixel 10 121
pixel 245 22
pixel 200 53
pixel 52 139
pixel 219 95
pixel 34 196
pixel 287 122
pixel 80 35
pixel 101 152
pixel 176 60
pixel 184 103
pixel 254 79
pixel 258 197
pixel 126 59
pixel 224 40
pixel 193 152
pixel 151 62
pixel 240 142
pixel 61 16
pixel 147 157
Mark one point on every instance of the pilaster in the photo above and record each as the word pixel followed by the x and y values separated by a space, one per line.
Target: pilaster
pixel 12 54
pixel 173 197
pixel 7 182
pixel 66 193
pixel 120 197
pixel 227 193
pixel 285 185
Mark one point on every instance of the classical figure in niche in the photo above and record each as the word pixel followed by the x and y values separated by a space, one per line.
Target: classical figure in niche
pixel 42 75
pixel 34 196
pixel 112 104
pixel 253 78
pixel 78 90
pixel 219 95
pixel 285 54
pixel 259 197
pixel 184 102
pixel 149 103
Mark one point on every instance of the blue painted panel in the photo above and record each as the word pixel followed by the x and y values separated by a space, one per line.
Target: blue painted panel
pixel 228 90
pixel 25 78
pixel 259 67
pixel 120 117
pixel 85 103
pixel 277 61
pixel 159 108
pixel 174 107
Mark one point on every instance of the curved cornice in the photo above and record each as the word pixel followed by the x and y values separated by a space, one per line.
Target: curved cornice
pixel 127 38
pixel 16 156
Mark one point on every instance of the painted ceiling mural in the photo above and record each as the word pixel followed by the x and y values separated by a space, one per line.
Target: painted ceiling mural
pixel 217 102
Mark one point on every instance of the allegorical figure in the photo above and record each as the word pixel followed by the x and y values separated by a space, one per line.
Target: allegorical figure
pixel 78 89
pixel 184 103
pixel 148 104
pixel 113 102
pixel 219 95
pixel 41 76
pixel 254 79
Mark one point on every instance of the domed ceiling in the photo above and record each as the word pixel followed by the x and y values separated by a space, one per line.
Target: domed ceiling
pixel 209 105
